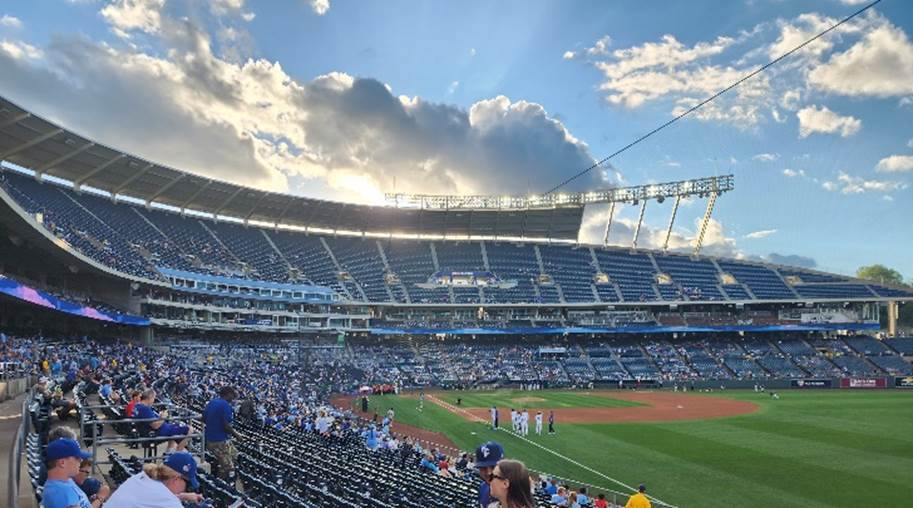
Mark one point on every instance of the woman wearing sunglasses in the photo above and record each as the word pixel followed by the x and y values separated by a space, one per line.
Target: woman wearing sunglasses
pixel 510 484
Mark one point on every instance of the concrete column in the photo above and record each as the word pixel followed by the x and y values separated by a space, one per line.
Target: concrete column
pixel 892 318
pixel 146 336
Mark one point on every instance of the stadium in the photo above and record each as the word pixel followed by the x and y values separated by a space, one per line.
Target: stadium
pixel 373 353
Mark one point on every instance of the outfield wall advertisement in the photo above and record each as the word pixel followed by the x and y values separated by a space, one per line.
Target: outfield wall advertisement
pixel 811 383
pixel 904 382
pixel 863 382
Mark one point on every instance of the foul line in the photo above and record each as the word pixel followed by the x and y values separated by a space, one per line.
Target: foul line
pixel 472 417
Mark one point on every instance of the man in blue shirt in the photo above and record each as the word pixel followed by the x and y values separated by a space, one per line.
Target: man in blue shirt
pixel 487 457
pixel 63 457
pixel 143 411
pixel 218 417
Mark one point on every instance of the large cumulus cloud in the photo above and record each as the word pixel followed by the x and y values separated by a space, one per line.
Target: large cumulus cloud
pixel 338 136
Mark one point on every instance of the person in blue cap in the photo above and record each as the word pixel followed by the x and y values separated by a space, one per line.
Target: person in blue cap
pixel 487 457
pixel 63 457
pixel 160 485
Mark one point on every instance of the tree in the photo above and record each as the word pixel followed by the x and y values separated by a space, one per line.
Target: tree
pixel 879 273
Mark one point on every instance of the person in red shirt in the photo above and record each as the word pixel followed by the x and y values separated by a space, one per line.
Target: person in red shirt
pixel 134 399
pixel 600 502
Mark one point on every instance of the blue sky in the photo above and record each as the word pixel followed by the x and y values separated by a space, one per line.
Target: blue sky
pixel 347 100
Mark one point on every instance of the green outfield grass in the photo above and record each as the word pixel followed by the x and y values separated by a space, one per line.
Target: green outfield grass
pixel 809 449
pixel 551 399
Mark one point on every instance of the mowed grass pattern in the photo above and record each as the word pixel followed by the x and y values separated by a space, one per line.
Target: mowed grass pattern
pixel 550 399
pixel 808 449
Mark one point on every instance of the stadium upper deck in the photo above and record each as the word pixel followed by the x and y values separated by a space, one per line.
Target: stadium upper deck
pixel 153 245
pixel 164 247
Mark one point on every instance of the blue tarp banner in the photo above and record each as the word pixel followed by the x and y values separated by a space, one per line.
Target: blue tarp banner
pixel 16 290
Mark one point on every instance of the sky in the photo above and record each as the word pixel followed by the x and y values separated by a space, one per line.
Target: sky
pixel 349 100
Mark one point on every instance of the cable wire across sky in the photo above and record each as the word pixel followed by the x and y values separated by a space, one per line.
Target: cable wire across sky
pixel 713 97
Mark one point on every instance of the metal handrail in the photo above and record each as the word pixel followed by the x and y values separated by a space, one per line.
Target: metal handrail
pixel 15 458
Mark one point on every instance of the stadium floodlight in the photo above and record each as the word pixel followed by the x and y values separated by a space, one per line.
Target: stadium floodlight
pixel 697 187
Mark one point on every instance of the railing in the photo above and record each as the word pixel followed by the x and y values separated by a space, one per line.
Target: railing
pixel 15 458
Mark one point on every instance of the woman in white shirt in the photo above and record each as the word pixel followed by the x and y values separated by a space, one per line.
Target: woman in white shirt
pixel 160 485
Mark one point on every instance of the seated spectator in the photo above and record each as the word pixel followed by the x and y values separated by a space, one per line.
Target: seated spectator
pixel 106 388
pixel 582 498
pixel 55 434
pixel 134 400
pixel 143 411
pixel 428 464
pixel 600 501
pixel 160 485
pixel 552 487
pixel 92 487
pixel 559 498
pixel 61 405
pixel 510 485
pixel 63 457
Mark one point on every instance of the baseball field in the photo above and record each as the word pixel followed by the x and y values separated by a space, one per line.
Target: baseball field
pixel 726 449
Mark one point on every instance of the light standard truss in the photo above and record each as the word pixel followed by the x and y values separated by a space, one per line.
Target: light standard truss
pixel 658 191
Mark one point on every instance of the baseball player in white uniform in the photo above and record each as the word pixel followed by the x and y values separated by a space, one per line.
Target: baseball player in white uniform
pixel 524 422
pixel 539 423
pixel 513 419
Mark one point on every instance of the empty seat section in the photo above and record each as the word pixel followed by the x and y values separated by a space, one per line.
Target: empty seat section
pixel 762 281
pixel 361 259
pixel 512 263
pixel 412 263
pixel 697 278
pixel 572 269
pixel 252 248
pixel 307 255
pixel 633 273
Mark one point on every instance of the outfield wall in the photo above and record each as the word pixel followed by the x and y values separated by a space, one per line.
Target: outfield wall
pixel 860 383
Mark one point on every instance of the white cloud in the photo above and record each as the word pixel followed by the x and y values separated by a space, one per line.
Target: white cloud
pixel 793 173
pixel 601 47
pixel 805 26
pixel 879 65
pixel 652 71
pixel 848 184
pixel 248 16
pixel 472 51
pixel 249 122
pixel 10 21
pixel 320 7
pixel 775 114
pixel 222 7
pixel 20 50
pixel 814 119
pixel 906 101
pixel 764 233
pixel 568 55
pixel 453 87
pixel 766 157
pixel 127 15
pixel 895 164
pixel 888 198
pixel 855 2
pixel 910 143
pixel 790 99
pixel 642 73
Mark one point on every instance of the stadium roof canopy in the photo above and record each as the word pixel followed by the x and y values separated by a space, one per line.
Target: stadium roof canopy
pixel 35 143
